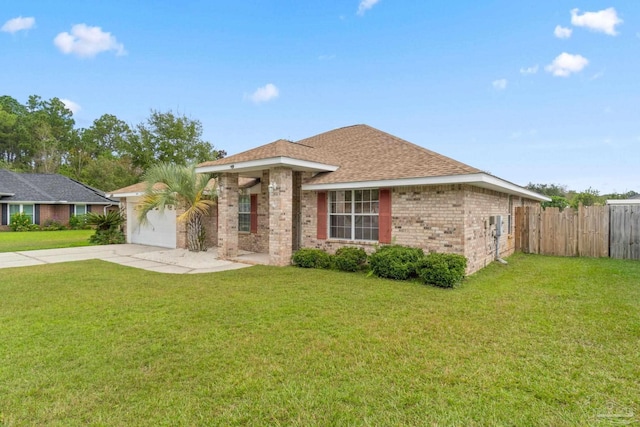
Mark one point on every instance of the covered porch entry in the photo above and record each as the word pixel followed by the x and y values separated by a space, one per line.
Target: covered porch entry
pixel 263 216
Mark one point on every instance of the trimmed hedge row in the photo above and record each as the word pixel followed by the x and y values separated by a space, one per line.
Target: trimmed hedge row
pixel 391 262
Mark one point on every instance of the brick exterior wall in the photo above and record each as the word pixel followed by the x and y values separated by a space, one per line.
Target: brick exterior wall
pixel 280 216
pixel 228 215
pixel 259 241
pixel 210 223
pixel 58 213
pixel 445 218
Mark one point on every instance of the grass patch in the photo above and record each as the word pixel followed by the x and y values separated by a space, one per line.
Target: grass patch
pixel 11 241
pixel 541 341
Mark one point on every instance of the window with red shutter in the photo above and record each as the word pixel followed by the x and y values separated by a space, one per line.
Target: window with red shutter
pixel 322 215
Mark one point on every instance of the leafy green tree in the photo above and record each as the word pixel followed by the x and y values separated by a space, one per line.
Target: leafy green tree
pixel 166 137
pixel 48 133
pixel 108 136
pixel 556 202
pixel 169 184
pixel 12 114
pixel 588 197
pixel 548 189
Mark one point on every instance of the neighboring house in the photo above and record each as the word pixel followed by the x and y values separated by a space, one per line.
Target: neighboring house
pixel 47 197
pixel 358 186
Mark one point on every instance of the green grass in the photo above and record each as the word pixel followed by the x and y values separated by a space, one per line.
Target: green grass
pixel 541 341
pixel 11 241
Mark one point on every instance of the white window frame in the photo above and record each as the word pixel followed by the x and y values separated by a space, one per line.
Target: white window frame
pixel 374 212
pixel 21 210
pixel 75 209
pixel 244 226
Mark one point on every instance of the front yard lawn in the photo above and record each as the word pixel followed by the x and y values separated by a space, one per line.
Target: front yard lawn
pixel 541 341
pixel 12 241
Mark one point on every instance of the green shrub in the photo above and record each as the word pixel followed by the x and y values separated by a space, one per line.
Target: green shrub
pixel 311 258
pixel 78 222
pixel 108 228
pixel 52 225
pixel 350 258
pixel 107 237
pixel 443 270
pixel 395 262
pixel 21 222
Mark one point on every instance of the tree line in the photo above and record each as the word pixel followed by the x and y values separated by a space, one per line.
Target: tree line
pixel 562 198
pixel 41 136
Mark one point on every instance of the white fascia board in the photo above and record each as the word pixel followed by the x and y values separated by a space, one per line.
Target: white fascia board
pixel 261 164
pixel 623 202
pixel 479 180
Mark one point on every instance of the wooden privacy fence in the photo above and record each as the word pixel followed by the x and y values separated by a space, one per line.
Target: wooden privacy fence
pixel 572 232
pixel 624 231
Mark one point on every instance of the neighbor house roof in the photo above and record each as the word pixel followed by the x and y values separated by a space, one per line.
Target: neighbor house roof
pixel 47 189
pixel 362 156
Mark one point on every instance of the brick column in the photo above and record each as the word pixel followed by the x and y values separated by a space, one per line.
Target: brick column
pixel 228 215
pixel 280 215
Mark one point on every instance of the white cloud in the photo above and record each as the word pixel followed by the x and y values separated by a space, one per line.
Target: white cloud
pixel 565 64
pixel 500 84
pixel 73 106
pixel 18 24
pixel 326 57
pixel 86 41
pixel 529 70
pixel 603 21
pixel 562 32
pixel 264 94
pixel 366 5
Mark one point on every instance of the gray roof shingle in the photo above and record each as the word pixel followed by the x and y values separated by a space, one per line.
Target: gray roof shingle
pixel 48 188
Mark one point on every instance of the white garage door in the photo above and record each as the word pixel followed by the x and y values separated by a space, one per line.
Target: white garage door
pixel 159 230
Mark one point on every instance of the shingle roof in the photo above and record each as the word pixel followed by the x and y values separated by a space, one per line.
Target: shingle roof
pixel 279 148
pixel 54 188
pixel 362 153
pixel 368 154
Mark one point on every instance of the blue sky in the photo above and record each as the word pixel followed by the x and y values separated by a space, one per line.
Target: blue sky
pixel 530 91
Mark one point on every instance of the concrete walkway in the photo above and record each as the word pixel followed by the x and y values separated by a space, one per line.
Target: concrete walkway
pixel 161 260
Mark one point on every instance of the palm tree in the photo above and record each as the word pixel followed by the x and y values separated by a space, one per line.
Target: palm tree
pixel 181 187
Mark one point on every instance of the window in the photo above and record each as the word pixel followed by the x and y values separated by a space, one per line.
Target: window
pixel 353 214
pixel 80 210
pixel 23 209
pixel 244 213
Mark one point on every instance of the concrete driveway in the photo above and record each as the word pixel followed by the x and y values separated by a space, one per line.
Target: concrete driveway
pixel 161 260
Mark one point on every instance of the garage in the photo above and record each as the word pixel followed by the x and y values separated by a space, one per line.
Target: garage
pixel 159 230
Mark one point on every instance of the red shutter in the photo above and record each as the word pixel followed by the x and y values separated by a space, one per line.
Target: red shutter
pixel 384 220
pixel 254 213
pixel 322 215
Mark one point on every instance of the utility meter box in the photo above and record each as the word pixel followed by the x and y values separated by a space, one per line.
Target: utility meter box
pixel 498 225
